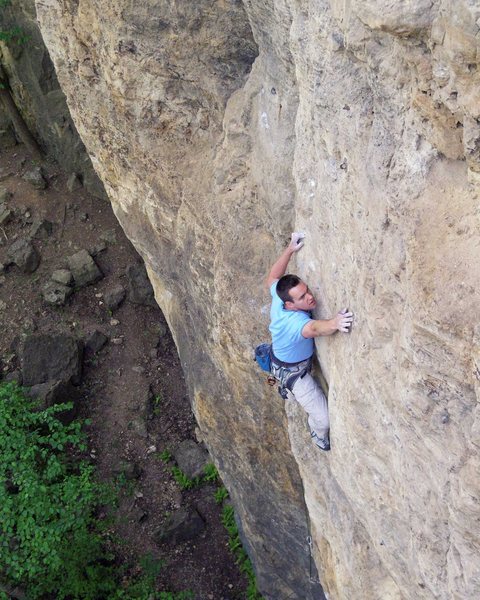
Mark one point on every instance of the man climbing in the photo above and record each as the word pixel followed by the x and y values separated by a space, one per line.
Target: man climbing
pixel 293 329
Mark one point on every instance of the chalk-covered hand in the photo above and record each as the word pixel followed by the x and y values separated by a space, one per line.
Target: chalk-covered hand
pixel 296 241
pixel 343 320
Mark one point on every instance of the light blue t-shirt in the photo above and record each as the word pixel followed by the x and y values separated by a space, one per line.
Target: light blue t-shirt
pixel 286 326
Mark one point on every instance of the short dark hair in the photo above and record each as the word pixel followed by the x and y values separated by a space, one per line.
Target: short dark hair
pixel 285 284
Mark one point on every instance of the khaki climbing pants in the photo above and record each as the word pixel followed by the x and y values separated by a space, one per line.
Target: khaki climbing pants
pixel 310 396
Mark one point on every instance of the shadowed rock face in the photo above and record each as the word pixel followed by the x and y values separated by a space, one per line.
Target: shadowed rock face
pixel 217 127
pixel 34 85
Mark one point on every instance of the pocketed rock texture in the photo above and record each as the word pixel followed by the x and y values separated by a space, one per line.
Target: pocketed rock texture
pixel 218 127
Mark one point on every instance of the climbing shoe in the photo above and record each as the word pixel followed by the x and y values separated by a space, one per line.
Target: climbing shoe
pixel 322 443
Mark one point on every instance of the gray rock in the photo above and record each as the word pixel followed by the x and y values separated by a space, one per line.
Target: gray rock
pixel 95 341
pixel 109 236
pixel 55 392
pixel 4 195
pixel 51 392
pixel 98 248
pixel 130 470
pixel 74 183
pixel 46 357
pixel 56 293
pixel 140 289
pixel 183 525
pixel 139 427
pixel 114 297
pixel 24 255
pixel 191 458
pixel 84 269
pixel 14 376
pixel 36 178
pixel 6 214
pixel 3 305
pixel 138 514
pixel 41 229
pixel 63 276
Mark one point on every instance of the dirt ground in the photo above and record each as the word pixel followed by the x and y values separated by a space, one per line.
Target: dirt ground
pixel 116 381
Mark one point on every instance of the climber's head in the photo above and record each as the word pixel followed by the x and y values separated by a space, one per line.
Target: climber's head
pixel 295 294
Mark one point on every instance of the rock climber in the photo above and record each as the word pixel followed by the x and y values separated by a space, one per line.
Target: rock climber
pixel 293 329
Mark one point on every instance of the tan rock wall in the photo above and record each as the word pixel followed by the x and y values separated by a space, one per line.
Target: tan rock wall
pixel 217 127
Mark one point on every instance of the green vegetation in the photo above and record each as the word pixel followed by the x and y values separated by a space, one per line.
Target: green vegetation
pixel 235 545
pixel 210 473
pixel 13 34
pixel 183 481
pixel 220 494
pixel 165 456
pixel 51 542
pixel 157 401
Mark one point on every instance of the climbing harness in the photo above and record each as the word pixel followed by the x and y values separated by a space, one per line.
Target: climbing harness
pixel 287 374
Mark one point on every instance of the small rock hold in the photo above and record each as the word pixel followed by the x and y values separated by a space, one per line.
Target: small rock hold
pixel 83 217
pixel 114 322
pixel 117 341
pixel 139 369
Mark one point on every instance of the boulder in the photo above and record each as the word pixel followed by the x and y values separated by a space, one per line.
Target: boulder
pixel 23 254
pixel 129 469
pixel 63 276
pixel 114 297
pixel 14 376
pixel 95 341
pixel 74 183
pixel 140 289
pixel 46 357
pixel 84 269
pixel 183 525
pixel 55 392
pixel 191 458
pixel 36 178
pixel 52 392
pixel 56 293
pixel 41 229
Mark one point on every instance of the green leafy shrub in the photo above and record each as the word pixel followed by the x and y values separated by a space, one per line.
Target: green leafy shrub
pixel 47 503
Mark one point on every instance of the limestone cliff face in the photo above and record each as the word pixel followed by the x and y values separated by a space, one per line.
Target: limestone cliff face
pixel 217 127
pixel 37 94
